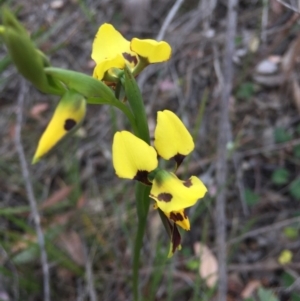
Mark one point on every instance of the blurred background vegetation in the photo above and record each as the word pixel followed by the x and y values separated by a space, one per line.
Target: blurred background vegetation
pixel 88 214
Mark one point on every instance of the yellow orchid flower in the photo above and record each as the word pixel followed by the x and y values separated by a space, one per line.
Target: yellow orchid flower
pixel 111 51
pixel 135 159
pixel 132 157
pixel 172 196
pixel 171 137
pixel 66 119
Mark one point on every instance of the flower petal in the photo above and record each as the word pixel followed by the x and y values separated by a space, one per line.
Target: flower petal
pixel 172 194
pixel 153 51
pixel 180 218
pixel 132 157
pixel 103 66
pixel 108 45
pixel 171 136
pixel 66 119
pixel 175 241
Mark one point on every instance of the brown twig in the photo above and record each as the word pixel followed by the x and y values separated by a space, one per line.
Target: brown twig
pixel 170 16
pixel 289 6
pixel 89 276
pixel 224 129
pixel 270 148
pixel 169 19
pixel 262 266
pixel 265 229
pixel 29 190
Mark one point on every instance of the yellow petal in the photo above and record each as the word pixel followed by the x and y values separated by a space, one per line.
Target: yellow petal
pixel 109 43
pixel 172 194
pixel 67 117
pixel 103 66
pixel 132 157
pixel 180 218
pixel 153 51
pixel 171 136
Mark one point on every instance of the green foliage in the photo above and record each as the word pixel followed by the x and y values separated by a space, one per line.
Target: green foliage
pixel 294 188
pixel 282 135
pixel 251 197
pixel 193 264
pixel 245 90
pixel 266 295
pixel 287 279
pixel 238 40
pixel 295 297
pixel 296 151
pixel 298 129
pixel 280 176
pixel 291 232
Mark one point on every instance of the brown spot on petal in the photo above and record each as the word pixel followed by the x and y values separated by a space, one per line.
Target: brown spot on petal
pixel 188 183
pixel 165 197
pixel 176 238
pixel 178 159
pixel 177 216
pixel 130 58
pixel 69 124
pixel 142 176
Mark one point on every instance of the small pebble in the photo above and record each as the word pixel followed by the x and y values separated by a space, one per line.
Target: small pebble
pixel 56 4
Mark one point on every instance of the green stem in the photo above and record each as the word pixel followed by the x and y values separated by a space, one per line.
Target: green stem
pixel 141 191
pixel 118 104
pixel 142 201
pixel 136 103
pixel 121 106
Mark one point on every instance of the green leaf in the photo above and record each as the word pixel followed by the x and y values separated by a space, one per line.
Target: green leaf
pixel 83 84
pixel 296 151
pixel 4 63
pixel 291 232
pixel 266 295
pixel 280 176
pixel 294 189
pixel 295 297
pixel 287 279
pixel 193 264
pixel 28 255
pixel 245 90
pixel 281 135
pixel 251 197
pixel 238 40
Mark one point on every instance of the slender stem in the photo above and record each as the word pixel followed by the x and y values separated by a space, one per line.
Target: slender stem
pixel 118 104
pixel 141 191
pixel 224 129
pixel 30 194
pixel 128 113
pixel 142 201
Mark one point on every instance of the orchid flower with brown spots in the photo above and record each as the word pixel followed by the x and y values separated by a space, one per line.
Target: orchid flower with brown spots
pixel 66 119
pixel 111 51
pixel 135 159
